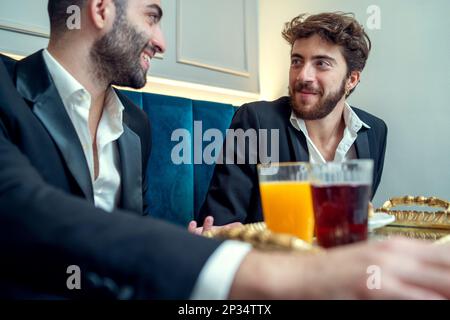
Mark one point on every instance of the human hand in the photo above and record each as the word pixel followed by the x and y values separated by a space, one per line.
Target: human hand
pixel 393 269
pixel 208 225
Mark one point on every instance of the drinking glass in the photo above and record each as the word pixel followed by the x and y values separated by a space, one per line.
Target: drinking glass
pixel 341 193
pixel 286 199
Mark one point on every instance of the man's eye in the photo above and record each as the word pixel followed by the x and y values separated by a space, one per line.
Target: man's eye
pixel 153 18
pixel 295 62
pixel 323 64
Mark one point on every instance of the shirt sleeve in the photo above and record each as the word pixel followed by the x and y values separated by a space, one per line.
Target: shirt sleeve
pixel 216 277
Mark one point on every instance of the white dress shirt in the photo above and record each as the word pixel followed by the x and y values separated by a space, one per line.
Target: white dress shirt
pixel 346 148
pixel 216 277
pixel 77 102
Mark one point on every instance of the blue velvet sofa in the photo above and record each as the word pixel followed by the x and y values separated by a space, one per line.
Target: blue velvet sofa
pixel 178 190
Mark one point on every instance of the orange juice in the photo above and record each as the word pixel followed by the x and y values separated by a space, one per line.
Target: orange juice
pixel 287 208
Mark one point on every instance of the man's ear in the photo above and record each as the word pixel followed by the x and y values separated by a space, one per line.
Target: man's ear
pixel 101 13
pixel 353 80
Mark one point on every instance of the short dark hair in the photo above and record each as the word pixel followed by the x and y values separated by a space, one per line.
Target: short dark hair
pixel 337 28
pixel 57 11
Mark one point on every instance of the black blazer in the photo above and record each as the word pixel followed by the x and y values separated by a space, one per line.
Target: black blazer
pixel 69 170
pixel 234 192
pixel 47 218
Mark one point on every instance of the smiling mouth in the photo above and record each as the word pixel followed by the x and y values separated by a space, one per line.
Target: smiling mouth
pixel 308 92
pixel 145 60
pixel 305 94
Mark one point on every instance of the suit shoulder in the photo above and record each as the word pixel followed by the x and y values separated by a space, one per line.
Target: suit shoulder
pixel 129 105
pixel 370 119
pixel 268 112
pixel 267 106
pixel 9 63
pixel 139 115
pixel 134 113
pixel 264 114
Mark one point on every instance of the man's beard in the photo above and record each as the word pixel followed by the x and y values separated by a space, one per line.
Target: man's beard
pixel 322 108
pixel 116 56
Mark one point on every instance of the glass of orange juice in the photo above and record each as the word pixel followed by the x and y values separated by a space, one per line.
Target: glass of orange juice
pixel 286 198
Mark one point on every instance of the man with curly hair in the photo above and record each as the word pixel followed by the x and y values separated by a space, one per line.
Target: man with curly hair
pixel 315 123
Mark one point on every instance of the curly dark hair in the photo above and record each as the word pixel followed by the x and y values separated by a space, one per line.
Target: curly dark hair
pixel 337 28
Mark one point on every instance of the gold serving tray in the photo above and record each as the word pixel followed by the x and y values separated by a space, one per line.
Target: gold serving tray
pixel 444 240
pixel 429 234
pixel 260 237
pixel 419 219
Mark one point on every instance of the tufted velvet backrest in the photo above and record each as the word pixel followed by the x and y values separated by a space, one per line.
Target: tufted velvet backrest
pixel 178 127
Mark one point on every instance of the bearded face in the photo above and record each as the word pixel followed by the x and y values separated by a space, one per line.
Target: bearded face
pixel 318 77
pixel 302 95
pixel 121 57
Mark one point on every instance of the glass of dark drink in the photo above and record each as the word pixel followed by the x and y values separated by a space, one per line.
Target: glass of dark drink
pixel 341 193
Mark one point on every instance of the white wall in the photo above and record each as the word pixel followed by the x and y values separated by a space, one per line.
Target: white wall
pixel 406 83
pixel 212 43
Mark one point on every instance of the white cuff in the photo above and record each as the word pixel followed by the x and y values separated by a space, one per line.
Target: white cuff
pixel 217 275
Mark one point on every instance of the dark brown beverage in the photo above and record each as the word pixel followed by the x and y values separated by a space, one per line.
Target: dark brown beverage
pixel 340 213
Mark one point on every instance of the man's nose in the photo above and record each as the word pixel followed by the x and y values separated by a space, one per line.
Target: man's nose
pixel 158 41
pixel 306 73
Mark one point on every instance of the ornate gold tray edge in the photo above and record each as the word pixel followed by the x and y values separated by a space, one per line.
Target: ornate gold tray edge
pixel 444 240
pixel 412 232
pixel 261 238
pixel 418 219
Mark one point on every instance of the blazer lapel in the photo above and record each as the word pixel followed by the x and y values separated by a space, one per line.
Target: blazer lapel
pixel 295 137
pixel 131 169
pixel 362 144
pixel 298 142
pixel 34 84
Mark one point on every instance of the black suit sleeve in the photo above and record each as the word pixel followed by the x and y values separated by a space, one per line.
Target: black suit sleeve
pixel 44 230
pixel 233 192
